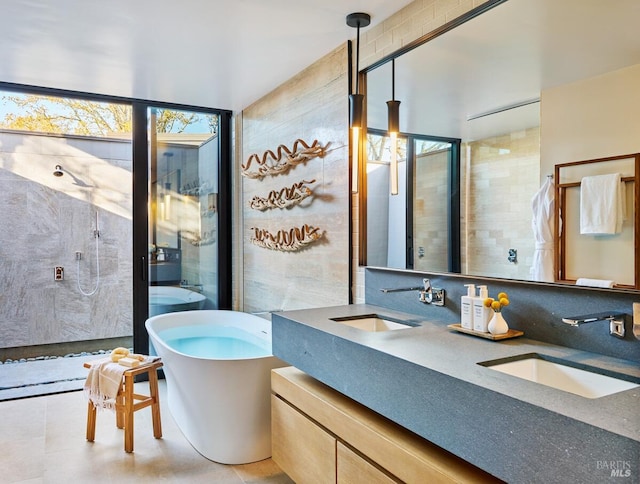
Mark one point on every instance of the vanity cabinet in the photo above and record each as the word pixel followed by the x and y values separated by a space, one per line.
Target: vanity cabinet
pixel 352 468
pixel 299 446
pixel 322 436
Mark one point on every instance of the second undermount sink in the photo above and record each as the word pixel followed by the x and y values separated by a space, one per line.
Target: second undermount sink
pixel 553 373
pixel 371 323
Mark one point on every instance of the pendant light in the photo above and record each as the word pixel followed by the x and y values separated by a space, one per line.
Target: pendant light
pixel 393 110
pixel 166 198
pixel 356 101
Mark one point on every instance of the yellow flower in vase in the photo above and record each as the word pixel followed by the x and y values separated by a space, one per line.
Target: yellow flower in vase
pixel 497 325
pixel 497 304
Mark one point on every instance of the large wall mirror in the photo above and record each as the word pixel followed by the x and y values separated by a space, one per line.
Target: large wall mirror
pixel 519 89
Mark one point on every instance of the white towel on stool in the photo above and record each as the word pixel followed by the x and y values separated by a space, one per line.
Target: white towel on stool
pixel 103 382
pixel 583 281
pixel 602 207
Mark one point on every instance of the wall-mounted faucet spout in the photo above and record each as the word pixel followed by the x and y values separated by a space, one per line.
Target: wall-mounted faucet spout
pixel 590 318
pixel 615 318
pixel 401 289
pixel 428 294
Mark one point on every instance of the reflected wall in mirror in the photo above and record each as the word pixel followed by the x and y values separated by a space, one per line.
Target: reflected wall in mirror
pixel 525 86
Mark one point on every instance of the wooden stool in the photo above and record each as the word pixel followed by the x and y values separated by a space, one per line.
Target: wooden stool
pixel 125 405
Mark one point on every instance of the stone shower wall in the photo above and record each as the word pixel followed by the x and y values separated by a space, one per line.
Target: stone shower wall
pixel 503 174
pixel 430 214
pixel 45 219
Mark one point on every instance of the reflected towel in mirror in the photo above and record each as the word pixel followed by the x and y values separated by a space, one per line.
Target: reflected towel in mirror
pixel 583 281
pixel 602 207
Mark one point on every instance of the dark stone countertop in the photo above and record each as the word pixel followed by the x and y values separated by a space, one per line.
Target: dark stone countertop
pixel 427 379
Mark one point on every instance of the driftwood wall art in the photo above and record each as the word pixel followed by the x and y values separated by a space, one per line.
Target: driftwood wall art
pixel 196 187
pixel 197 240
pixel 270 163
pixel 286 197
pixel 287 241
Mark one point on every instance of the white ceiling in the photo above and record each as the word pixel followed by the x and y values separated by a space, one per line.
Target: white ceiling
pixel 213 53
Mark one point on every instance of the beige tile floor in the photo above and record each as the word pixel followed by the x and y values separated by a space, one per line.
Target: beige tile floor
pixel 42 440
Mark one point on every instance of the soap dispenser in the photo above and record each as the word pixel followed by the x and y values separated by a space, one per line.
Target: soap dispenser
pixel 466 307
pixel 481 313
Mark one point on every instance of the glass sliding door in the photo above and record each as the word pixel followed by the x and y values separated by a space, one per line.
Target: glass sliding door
pixel 413 228
pixel 183 203
pixel 430 215
pixel 103 198
pixel 386 230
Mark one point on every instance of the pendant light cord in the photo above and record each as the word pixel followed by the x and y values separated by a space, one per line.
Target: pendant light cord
pixel 393 79
pixel 358 59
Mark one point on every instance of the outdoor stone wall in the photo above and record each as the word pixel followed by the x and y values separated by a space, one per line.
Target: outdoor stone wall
pixel 45 220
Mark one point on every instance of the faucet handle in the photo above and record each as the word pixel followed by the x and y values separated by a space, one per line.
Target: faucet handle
pixel 426 295
pixel 431 295
pixel 427 284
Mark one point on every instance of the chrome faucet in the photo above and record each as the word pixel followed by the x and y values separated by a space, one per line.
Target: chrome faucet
pixel 431 295
pixel 401 289
pixel 615 318
pixel 428 294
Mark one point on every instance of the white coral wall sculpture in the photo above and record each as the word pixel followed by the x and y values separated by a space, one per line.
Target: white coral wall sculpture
pixel 286 197
pixel 270 163
pixel 286 240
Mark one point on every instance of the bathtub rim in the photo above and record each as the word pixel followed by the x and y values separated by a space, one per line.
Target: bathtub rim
pixel 262 334
pixel 178 293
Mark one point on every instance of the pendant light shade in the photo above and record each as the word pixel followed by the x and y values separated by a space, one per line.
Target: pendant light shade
pixel 356 100
pixel 393 110
pixel 356 109
pixel 393 113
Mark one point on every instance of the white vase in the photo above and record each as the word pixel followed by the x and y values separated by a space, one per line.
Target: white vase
pixel 498 325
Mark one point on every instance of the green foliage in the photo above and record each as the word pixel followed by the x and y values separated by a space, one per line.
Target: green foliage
pixel 59 115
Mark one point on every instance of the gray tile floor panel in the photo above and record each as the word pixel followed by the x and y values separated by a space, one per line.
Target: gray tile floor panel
pixel 42 377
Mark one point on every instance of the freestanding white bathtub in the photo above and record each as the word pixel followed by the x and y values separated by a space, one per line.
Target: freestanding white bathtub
pixel 218 370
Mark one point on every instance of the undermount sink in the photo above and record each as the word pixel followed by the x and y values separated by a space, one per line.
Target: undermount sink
pixel 371 323
pixel 547 371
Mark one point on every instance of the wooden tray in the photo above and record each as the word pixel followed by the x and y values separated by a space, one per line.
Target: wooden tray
pixel 512 333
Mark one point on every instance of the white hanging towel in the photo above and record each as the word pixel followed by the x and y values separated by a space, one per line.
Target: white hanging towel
pixel 602 208
pixel 542 205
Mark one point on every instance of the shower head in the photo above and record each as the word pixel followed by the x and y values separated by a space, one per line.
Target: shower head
pixel 58 171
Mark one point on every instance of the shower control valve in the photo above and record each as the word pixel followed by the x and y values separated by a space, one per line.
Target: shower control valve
pixel 58 273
